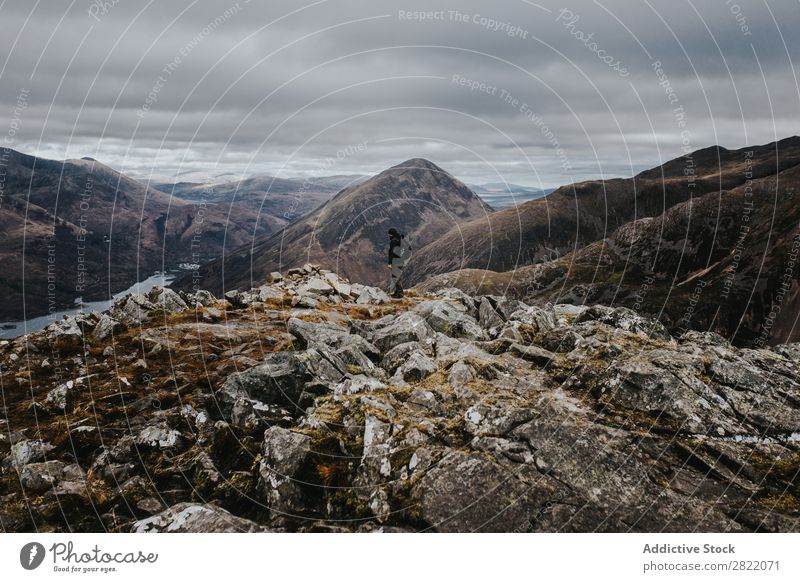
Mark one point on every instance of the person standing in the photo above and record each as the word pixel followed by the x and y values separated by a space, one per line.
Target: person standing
pixel 399 250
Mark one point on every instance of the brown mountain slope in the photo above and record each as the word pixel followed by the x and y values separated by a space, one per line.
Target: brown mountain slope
pixel 348 233
pixel 79 228
pixel 726 261
pixel 578 214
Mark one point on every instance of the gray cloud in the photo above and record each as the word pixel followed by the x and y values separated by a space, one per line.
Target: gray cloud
pixel 294 88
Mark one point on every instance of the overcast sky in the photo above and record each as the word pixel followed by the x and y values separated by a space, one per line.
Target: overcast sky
pixel 570 89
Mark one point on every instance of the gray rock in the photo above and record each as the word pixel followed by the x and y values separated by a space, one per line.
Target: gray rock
pixel 667 383
pixel 285 454
pixel 625 319
pixel 315 286
pixel 65 329
pixel 422 400
pixel 451 319
pixel 61 398
pixel 417 367
pixel 339 286
pixel 376 467
pixel 268 293
pixel 455 294
pixel 404 328
pixel 283 378
pixel 203 297
pixel 306 301
pixel 196 518
pixel 488 317
pixel 311 333
pixel 28 451
pixel 167 299
pixel 539 319
pixel 36 478
pixel 533 354
pixel 132 309
pixel 466 492
pixel 372 296
pixel 358 384
pixel 460 374
pixel 105 327
pixel 160 437
pixel 399 354
pixel 236 299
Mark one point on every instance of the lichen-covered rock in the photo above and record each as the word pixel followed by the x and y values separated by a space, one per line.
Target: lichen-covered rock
pixel 451 319
pixel 285 454
pixel 395 330
pixel 167 299
pixel 417 367
pixel 105 327
pixel 160 437
pixel 196 518
pixel 372 296
pixel 328 415
pixel 28 451
pixel 466 492
pixel 61 397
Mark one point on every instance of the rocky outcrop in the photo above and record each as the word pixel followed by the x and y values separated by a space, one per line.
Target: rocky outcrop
pixel 445 412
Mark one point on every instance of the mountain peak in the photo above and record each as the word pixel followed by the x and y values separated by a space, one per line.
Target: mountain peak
pixel 418 164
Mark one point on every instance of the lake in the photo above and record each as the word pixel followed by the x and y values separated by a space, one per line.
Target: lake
pixel 19 328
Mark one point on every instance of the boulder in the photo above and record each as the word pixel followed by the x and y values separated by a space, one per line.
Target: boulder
pixel 27 451
pixel 372 296
pixel 538 319
pixel 417 367
pixel 36 478
pixel 66 329
pixel 196 518
pixel 403 328
pixel 399 354
pixel 466 492
pixel 311 333
pixel 159 437
pixel 460 374
pixel 203 298
pixel 132 309
pixel 451 319
pixel 236 299
pixel 357 384
pixel 285 455
pixel 268 293
pixel 488 317
pixel 61 398
pixel 315 286
pixel 376 467
pixel 533 354
pixel 283 378
pixel 167 299
pixel 625 319
pixel 106 326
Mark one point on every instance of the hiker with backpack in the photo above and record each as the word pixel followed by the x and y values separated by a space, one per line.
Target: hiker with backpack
pixel 399 251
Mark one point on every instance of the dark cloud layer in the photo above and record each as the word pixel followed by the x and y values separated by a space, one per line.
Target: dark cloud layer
pixel 535 93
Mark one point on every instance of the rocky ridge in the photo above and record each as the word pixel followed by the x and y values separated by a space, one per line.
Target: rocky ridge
pixel 314 404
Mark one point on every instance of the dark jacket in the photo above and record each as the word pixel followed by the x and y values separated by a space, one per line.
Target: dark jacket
pixel 394 247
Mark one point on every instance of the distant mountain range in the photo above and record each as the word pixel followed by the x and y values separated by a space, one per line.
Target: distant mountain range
pixel 720 255
pixel 709 240
pixel 348 233
pixel 79 228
